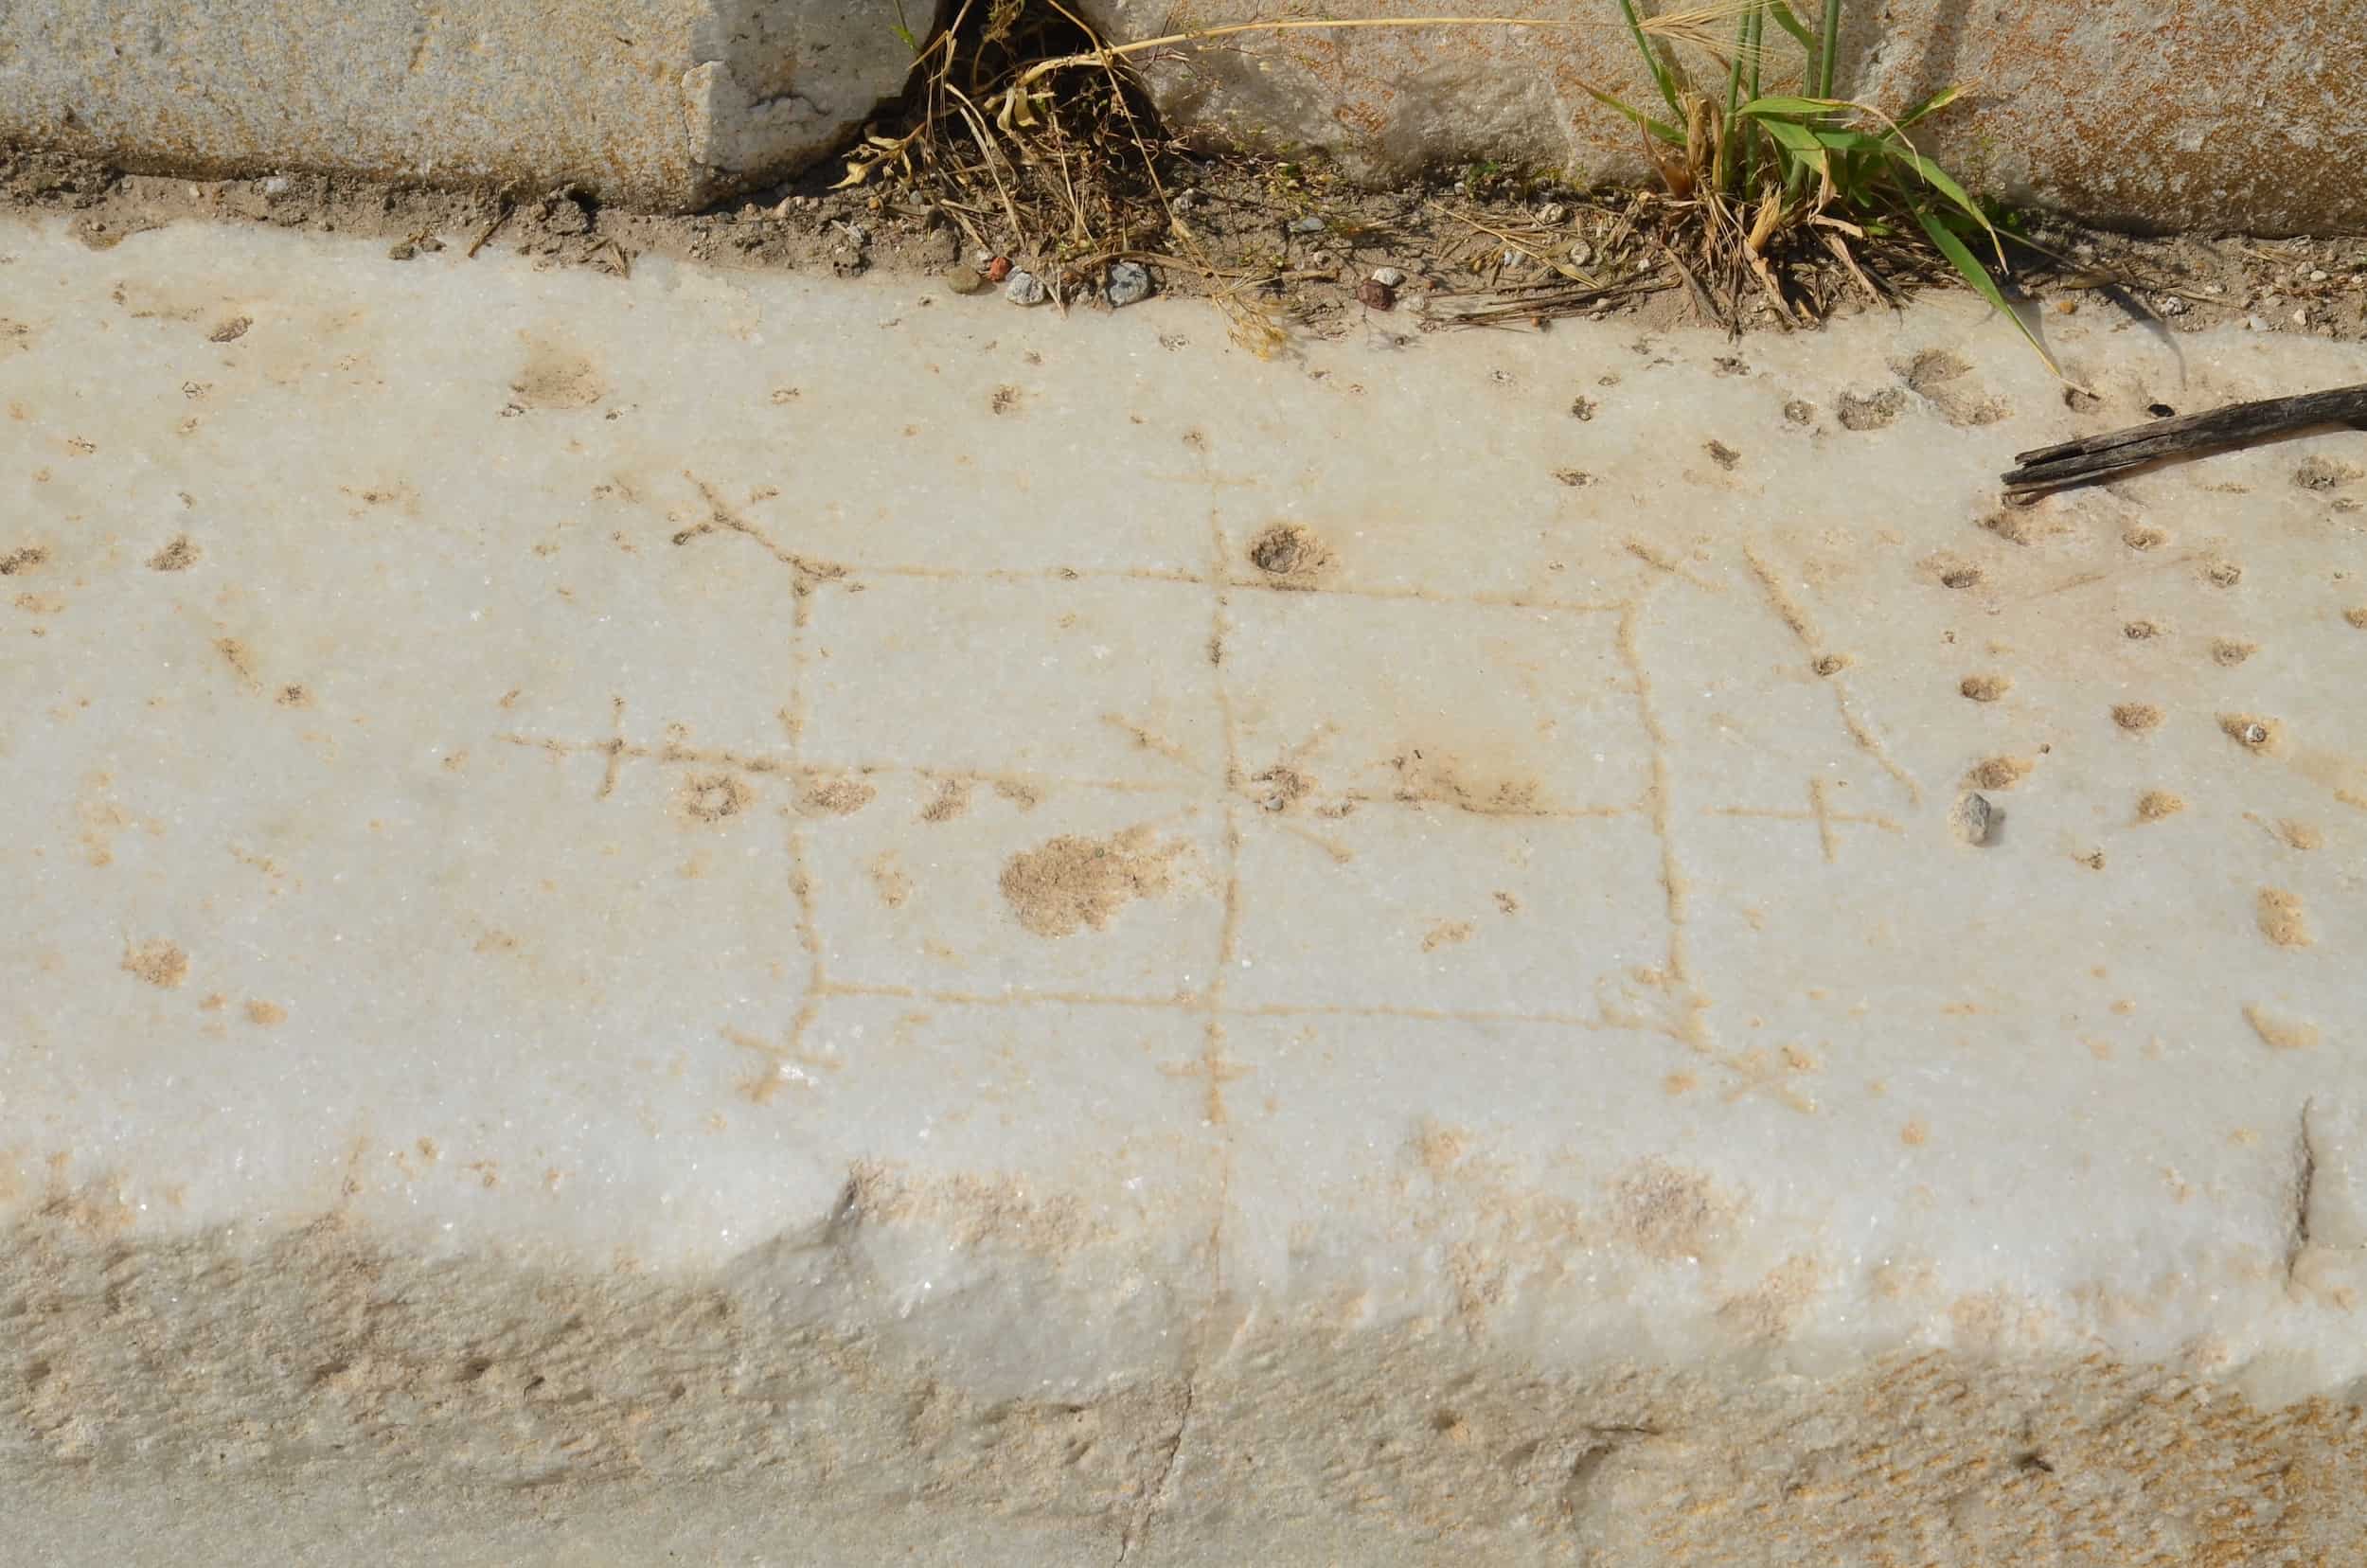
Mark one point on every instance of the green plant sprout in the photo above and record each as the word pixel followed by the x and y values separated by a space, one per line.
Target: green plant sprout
pixel 1808 157
pixel 1753 173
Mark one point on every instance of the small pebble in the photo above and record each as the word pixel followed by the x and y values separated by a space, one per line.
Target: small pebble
pixel 2317 275
pixel 1024 288
pixel 2174 306
pixel 275 186
pixel 2212 288
pixel 1129 283
pixel 2300 318
pixel 1388 277
pixel 964 280
pixel 402 250
pixel 1581 252
pixel 1551 212
pixel 1972 818
pixel 1306 226
pixel 998 268
pixel 1376 294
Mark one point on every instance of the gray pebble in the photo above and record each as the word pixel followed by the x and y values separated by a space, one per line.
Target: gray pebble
pixel 1388 277
pixel 1129 283
pixel 1306 226
pixel 1972 818
pixel 1024 288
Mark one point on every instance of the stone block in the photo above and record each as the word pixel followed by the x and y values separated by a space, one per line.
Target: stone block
pixel 662 103
pixel 2137 113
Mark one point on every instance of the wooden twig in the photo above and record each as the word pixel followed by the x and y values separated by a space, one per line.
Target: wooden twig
pixel 499 219
pixel 2094 457
pixel 1547 302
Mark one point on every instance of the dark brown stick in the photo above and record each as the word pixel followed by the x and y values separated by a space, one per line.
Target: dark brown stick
pixel 490 229
pixel 2095 457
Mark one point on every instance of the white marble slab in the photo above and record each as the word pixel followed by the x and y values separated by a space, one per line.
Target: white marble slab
pixel 594 797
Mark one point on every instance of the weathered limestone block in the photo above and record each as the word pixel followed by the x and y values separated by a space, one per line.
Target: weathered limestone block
pixel 667 103
pixel 2176 115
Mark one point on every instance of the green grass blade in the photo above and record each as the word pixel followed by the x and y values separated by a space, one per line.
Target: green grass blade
pixel 1791 105
pixel 1756 20
pixel 1733 98
pixel 1652 62
pixel 1790 24
pixel 1658 128
pixel 1894 149
pixel 1808 155
pixel 1937 101
pixel 1828 46
pixel 1945 183
pixel 1960 257
pixel 1734 71
pixel 1798 137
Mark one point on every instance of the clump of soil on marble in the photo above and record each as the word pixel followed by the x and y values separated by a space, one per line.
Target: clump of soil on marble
pixel 2283 919
pixel 1071 883
pixel 2230 652
pixel 1288 551
pixel 2251 732
pixel 160 963
pixel 1999 772
pixel 833 796
pixel 177 556
pixel 2137 716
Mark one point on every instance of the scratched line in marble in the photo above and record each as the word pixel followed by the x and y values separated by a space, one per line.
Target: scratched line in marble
pixel 809 573
pixel 1824 662
pixel 1682 1013
pixel 617 750
pixel 1822 814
